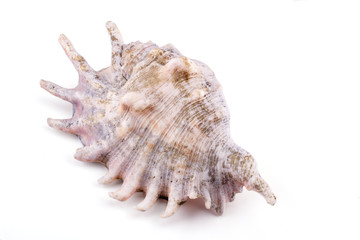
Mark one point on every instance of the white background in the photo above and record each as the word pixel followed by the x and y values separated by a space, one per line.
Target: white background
pixel 290 71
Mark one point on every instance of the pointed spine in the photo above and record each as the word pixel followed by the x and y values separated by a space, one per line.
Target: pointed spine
pixel 116 43
pixel 65 125
pixel 77 60
pixel 152 194
pixel 56 90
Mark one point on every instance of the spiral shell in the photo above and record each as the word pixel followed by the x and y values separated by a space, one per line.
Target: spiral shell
pixel 158 121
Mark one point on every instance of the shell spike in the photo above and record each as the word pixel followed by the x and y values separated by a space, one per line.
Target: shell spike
pixel 91 153
pixel 171 208
pixel 115 34
pixel 77 60
pixel 56 90
pixel 207 199
pixel 258 184
pixel 109 177
pixel 151 196
pixel 116 43
pixel 125 192
pixel 65 125
pixel 220 205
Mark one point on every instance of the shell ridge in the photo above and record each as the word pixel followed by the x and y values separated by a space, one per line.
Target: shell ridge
pixel 141 121
pixel 117 160
pixel 133 178
pixel 215 188
pixel 128 68
pixel 201 161
pixel 205 141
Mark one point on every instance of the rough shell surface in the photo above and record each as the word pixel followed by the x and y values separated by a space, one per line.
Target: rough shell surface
pixel 158 121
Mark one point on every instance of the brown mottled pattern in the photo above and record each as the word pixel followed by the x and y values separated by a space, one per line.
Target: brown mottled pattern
pixel 158 121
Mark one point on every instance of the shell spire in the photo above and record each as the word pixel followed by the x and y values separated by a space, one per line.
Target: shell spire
pixel 158 121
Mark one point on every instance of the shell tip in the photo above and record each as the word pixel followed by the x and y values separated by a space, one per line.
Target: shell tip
pixel 50 122
pixel 193 195
pixel 107 178
pixel 112 195
pixel 271 199
pixel 171 208
pixel 61 37
pixel 140 207
pixel 109 24
pixel 42 83
pixel 166 214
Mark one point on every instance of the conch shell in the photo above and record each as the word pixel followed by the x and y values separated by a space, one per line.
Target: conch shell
pixel 158 121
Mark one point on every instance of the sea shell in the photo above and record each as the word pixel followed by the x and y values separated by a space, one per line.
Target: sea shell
pixel 158 121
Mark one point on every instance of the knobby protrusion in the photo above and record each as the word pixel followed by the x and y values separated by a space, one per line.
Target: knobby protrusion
pixel 171 208
pixel 128 188
pixel 258 184
pixel 65 125
pixel 152 194
pixel 109 177
pixel 56 90
pixel 94 152
pixel 77 60
pixel 116 43
pixel 207 199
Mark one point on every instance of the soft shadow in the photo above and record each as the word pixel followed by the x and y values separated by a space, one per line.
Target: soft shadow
pixel 50 130
pixel 194 207
pixel 61 106
pixel 191 211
